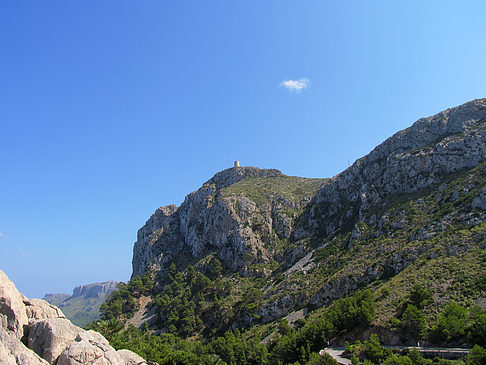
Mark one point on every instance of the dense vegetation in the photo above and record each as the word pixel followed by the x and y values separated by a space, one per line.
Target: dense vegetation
pixel 122 303
pixel 297 344
pixel 234 347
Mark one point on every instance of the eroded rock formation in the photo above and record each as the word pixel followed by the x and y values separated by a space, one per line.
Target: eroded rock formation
pixel 33 331
pixel 240 227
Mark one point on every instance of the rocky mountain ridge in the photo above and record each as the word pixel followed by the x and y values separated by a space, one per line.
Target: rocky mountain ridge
pixel 95 289
pixel 215 218
pixel 413 159
pixel 316 240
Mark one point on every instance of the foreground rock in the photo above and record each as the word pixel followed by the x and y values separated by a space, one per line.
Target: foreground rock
pixel 40 309
pixel 49 336
pixel 13 352
pixel 89 347
pixel 13 307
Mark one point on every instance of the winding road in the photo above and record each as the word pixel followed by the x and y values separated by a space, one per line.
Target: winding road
pixel 337 352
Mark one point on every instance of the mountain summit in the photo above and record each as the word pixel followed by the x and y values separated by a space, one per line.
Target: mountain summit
pixel 240 213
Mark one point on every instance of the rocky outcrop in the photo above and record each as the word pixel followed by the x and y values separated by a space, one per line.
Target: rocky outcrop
pixel 240 229
pixel 14 352
pixel 413 159
pixel 12 307
pixel 130 358
pixel 40 309
pixel 50 338
pixel 89 347
pixel 480 201
pixel 160 230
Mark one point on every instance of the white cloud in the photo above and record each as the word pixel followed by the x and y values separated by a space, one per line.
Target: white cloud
pixel 295 85
pixel 2 234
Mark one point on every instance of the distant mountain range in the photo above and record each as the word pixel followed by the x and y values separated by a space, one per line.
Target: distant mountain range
pixel 82 307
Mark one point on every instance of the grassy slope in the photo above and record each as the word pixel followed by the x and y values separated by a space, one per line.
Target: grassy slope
pixel 262 189
pixel 82 311
pixel 79 310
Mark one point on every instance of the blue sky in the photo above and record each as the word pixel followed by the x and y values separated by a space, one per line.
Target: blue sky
pixel 110 109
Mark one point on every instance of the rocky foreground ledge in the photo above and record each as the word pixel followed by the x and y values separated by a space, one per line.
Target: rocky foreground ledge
pixel 33 332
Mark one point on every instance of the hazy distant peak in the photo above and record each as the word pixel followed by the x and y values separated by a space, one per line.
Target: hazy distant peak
pixel 94 290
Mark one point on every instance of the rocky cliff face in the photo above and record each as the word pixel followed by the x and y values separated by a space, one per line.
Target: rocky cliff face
pixel 413 159
pixel 244 229
pixel 230 215
pixel 419 197
pixel 95 290
pixel 33 331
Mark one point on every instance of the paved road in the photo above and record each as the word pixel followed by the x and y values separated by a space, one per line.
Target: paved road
pixel 423 350
pixel 336 352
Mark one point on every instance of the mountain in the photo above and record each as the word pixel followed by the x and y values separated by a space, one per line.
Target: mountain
pixel 391 246
pixel 82 307
pixel 412 160
pixel 243 214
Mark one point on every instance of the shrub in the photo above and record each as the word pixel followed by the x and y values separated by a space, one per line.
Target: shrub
pixel 413 322
pixel 452 323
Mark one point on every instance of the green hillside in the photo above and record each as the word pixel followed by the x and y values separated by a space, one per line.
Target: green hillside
pixel 431 243
pixel 262 189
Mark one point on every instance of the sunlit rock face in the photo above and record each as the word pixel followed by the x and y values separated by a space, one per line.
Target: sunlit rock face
pixel 236 217
pixel 234 223
pixel 33 331
pixel 413 159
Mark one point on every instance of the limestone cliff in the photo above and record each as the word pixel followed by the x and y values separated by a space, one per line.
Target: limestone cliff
pixel 413 159
pixel 242 213
pixel 94 290
pixel 245 227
